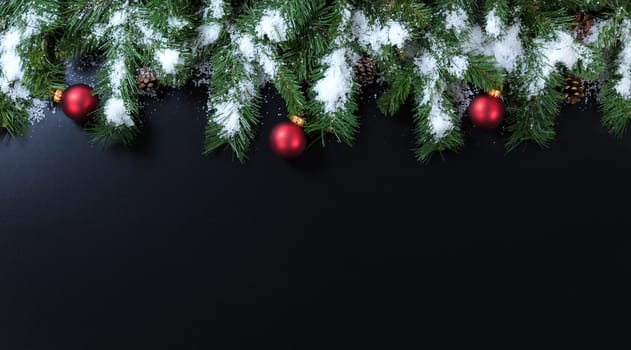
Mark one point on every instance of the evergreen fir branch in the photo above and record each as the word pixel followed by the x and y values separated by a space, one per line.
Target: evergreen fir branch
pixel 105 134
pixel 234 103
pixel 397 93
pixel 240 142
pixel 484 74
pixel 616 111
pixel 500 8
pixel 13 116
pixel 334 113
pixel 535 120
pixel 287 85
pixel 343 124
pixel 27 70
pixel 426 141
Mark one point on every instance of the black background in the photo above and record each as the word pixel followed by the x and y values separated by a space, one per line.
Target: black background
pixel 160 247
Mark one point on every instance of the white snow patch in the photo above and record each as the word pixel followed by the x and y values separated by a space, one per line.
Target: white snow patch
pixel 428 69
pixel 273 26
pixel 374 36
pixel 493 24
pixel 11 64
pixel 507 51
pixel 118 71
pixel 214 9
pixel 334 89
pixel 118 18
pixel 245 44
pixel 268 64
pixel 177 23
pixel 565 50
pixel 169 59
pixel 208 33
pixel 457 19
pixel 116 112
pixel 594 34
pixel 458 66
pixel 440 122
pixel 228 116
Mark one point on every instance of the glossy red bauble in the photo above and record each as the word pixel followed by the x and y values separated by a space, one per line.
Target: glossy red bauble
pixel 77 102
pixel 486 111
pixel 288 140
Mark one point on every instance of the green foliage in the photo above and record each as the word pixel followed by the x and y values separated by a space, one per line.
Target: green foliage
pixel 616 111
pixel 13 115
pixel 484 74
pixel 534 119
pixel 315 30
pixel 227 86
pixel 427 144
pixel 401 87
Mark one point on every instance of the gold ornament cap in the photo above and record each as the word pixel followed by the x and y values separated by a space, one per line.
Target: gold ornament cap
pixel 496 93
pixel 58 94
pixel 297 120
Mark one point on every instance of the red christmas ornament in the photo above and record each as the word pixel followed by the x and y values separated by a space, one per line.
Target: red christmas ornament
pixel 487 110
pixel 288 140
pixel 77 101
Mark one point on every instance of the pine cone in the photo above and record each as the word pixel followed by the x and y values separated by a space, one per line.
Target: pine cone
pixel 583 26
pixel 573 90
pixel 147 80
pixel 365 70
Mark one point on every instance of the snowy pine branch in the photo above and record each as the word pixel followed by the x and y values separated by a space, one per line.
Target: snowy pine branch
pixel 254 57
pixel 434 55
pixel 134 34
pixel 28 72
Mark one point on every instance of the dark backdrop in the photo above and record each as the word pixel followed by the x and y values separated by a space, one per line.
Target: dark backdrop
pixel 159 247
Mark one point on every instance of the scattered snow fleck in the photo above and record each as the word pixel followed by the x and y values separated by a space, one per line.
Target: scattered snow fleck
pixel 214 9
pixel 463 95
pixel 99 30
pixel 439 121
pixel 458 66
pixel 116 112
pixel 34 22
pixel 118 71
pixel 228 117
pixel 228 108
pixel 335 88
pixel 168 59
pixel 203 73
pixel 457 20
pixel 493 24
pixel 623 87
pixel 177 23
pixel 273 26
pixel 36 111
pixel 342 27
pixel 427 68
pixel 594 33
pixel 267 63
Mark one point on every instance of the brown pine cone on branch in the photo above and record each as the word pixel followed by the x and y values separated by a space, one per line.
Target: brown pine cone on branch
pixel 573 90
pixel 147 80
pixel 583 26
pixel 365 70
